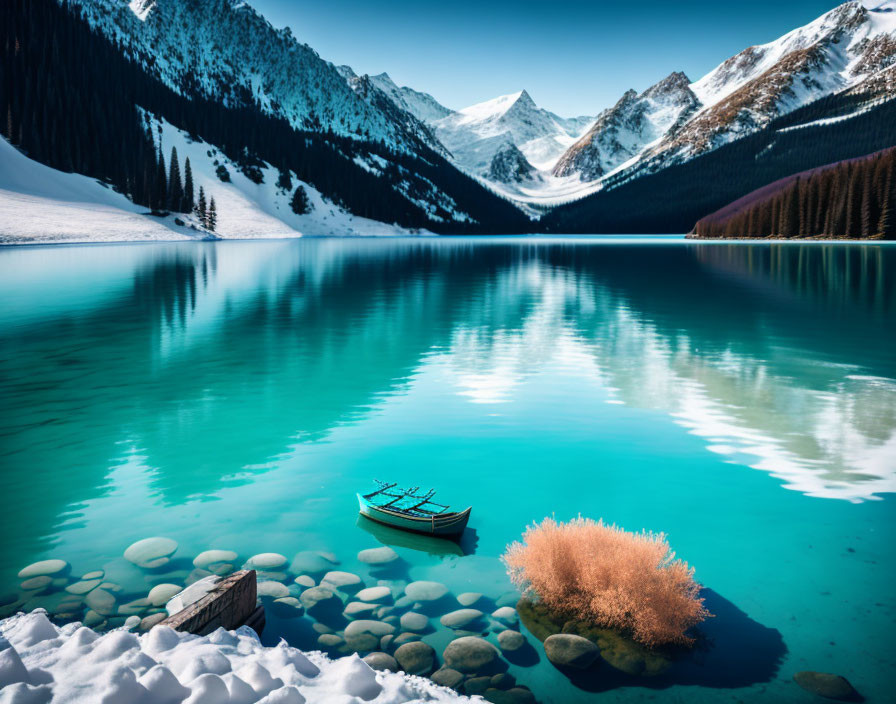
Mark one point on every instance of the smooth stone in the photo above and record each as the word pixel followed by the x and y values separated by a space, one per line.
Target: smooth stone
pixel 516 695
pixel 343 581
pixel 37 583
pixel 44 568
pixel 303 580
pixel 404 602
pixel 425 591
pixel 506 615
pixel 150 553
pixel 621 652
pixel 320 599
pixel 826 685
pixel 358 609
pixel 375 594
pixel 384 611
pixel 364 635
pixel 470 654
pixel 96 574
pixel 197 575
pixel 381 661
pixel 321 628
pixel 287 607
pixel 271 590
pixel 266 561
pixel 131 622
pixel 137 606
pixel 510 641
pixel 329 556
pixel 502 680
pixel 378 556
pixel 477 685
pixel 329 640
pixel 147 622
pixel 212 557
pixel 568 650
pixel 406 637
pixel 446 677
pixel 417 658
pixel 386 641
pixel 460 618
pixel 101 601
pixel 393 620
pixel 468 598
pixel 412 621
pixel 307 562
pixel 84 586
pixel 111 587
pixel 161 594
pixel 93 619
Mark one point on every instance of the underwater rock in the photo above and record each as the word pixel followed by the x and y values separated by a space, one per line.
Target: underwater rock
pixel 461 618
pixel 470 654
pixel 506 615
pixel 102 602
pixel 149 621
pixel 511 641
pixel 826 685
pixel 377 595
pixel 358 609
pixel 378 556
pixel 93 619
pixel 329 640
pixel 96 574
pixel 161 594
pixel 516 695
pixel 37 584
pixel 364 635
pixel 425 591
pixel 621 652
pixel 320 602
pixel 44 568
pixel 308 562
pixel 568 650
pixel 287 607
pixel 150 553
pixel 271 590
pixel 213 557
pixel 503 680
pixel 381 661
pixel 343 581
pixel 447 677
pixel 468 598
pixel 386 642
pixel 477 685
pixel 403 638
pixel 412 621
pixel 84 586
pixel 266 561
pixel 417 658
pixel 303 580
pixel 135 607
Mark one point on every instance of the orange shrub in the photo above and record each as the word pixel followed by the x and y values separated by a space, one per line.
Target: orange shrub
pixel 610 578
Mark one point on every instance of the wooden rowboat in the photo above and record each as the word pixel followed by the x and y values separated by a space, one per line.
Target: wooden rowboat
pixel 408 510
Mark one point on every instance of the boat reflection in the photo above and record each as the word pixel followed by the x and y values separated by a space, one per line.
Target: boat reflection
pixel 440 547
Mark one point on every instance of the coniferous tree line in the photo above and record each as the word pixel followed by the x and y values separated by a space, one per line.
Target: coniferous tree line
pixel 673 199
pixel 850 199
pixel 69 98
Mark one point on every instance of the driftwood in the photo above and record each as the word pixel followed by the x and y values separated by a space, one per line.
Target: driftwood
pixel 230 604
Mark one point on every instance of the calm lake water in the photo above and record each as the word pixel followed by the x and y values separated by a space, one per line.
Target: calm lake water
pixel 739 397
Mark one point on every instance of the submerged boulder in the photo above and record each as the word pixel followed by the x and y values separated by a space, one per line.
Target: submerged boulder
pixel 827 685
pixel 568 650
pixel 470 654
pixel 417 658
pixel 150 553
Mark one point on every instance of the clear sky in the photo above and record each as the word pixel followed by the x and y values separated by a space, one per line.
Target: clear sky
pixel 573 57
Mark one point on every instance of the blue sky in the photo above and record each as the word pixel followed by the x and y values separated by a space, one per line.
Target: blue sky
pixel 573 57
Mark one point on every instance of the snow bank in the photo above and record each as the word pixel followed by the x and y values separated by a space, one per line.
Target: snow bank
pixel 40 662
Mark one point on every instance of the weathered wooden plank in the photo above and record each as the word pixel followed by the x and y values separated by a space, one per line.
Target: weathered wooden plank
pixel 230 604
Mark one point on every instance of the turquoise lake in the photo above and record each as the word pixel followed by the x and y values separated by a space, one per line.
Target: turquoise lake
pixel 740 398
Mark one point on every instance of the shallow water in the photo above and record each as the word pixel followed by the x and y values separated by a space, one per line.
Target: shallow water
pixel 739 397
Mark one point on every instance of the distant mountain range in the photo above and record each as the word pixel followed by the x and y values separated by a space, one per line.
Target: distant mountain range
pixel 503 151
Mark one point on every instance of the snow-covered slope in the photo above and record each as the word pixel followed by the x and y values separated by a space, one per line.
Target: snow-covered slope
pixel 850 48
pixel 40 662
pixel 40 205
pixel 225 50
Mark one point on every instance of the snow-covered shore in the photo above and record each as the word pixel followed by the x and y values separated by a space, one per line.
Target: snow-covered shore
pixel 41 205
pixel 41 663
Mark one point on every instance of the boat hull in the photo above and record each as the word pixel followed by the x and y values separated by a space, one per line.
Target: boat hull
pixel 447 524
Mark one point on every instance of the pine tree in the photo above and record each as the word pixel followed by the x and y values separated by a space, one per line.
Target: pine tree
pixel 284 180
pixel 175 188
pixel 188 203
pixel 201 207
pixel 212 217
pixel 299 203
pixel 160 192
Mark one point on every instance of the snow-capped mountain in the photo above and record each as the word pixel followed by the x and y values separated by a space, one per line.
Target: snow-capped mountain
pixel 475 134
pixel 852 48
pixel 421 105
pixel 623 131
pixel 225 50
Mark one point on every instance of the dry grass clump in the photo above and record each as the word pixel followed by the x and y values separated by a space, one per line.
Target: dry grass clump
pixel 603 575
